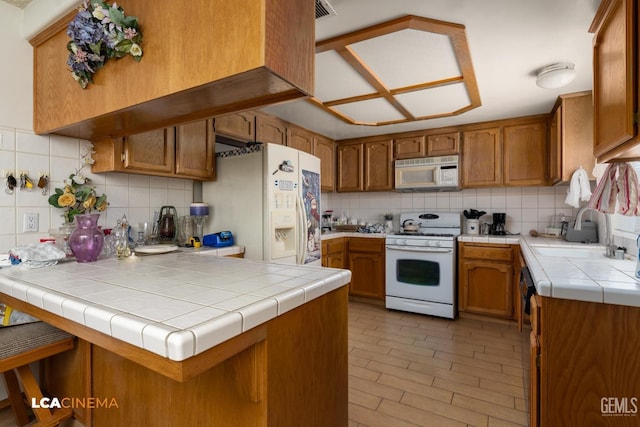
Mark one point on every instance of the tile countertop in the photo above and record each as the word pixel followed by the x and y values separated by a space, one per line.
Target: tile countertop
pixel 477 238
pixel 580 272
pixel 176 305
pixel 336 234
pixel 208 250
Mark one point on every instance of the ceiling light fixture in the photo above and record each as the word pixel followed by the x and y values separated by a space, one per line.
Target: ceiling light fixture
pixel 556 75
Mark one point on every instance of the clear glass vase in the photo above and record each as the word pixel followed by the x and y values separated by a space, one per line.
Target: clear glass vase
pixel 62 237
pixel 87 239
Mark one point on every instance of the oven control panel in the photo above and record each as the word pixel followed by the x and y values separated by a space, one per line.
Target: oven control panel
pixel 419 242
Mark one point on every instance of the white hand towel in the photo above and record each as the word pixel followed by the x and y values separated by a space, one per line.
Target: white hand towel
pixel 573 193
pixel 585 186
pixel 579 188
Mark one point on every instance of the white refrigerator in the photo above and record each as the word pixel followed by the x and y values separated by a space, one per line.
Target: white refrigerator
pixel 268 196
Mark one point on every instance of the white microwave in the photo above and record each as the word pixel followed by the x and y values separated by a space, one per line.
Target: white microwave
pixel 427 174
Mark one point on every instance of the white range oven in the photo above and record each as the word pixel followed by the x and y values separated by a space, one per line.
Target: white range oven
pixel 421 264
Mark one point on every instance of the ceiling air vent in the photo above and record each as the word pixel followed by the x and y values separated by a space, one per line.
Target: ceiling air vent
pixel 324 9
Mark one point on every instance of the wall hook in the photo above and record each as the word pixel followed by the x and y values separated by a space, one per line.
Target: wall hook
pixel 11 183
pixel 43 182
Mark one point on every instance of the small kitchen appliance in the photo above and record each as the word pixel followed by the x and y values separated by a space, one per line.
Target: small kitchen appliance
pixel 167 232
pixel 200 213
pixel 587 234
pixel 219 240
pixel 499 220
pixel 427 174
pixel 326 220
pixel 421 264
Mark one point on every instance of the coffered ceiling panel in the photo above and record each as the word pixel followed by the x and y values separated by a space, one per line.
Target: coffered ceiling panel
pixel 396 72
pixel 409 57
pixel 442 100
pixel 370 112
pixel 329 65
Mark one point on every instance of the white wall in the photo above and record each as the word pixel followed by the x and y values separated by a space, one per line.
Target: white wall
pixel 16 85
pixel 136 196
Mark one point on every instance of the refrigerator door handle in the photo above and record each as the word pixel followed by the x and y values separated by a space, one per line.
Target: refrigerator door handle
pixel 302 231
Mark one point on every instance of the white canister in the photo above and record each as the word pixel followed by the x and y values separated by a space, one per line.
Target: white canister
pixel 473 226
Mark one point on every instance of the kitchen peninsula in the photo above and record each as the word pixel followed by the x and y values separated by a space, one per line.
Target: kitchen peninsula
pixel 179 339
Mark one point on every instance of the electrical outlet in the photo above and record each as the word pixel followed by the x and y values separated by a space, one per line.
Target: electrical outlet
pixel 30 223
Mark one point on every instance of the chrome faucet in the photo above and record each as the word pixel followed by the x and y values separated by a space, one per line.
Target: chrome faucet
pixel 577 225
pixel 610 248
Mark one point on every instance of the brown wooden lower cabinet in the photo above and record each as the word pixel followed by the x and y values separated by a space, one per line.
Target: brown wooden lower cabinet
pixel 486 282
pixel 365 257
pixel 333 253
pixel 534 363
pixel 587 365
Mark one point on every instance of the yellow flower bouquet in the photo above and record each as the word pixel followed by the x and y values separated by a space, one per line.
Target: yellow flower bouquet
pixel 77 197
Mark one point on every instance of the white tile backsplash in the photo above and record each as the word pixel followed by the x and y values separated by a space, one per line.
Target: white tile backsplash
pixel 136 196
pixel 526 207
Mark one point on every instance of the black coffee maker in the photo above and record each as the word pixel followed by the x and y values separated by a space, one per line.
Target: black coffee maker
pixel 497 228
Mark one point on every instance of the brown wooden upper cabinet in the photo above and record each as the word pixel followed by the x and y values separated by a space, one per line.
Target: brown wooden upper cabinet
pixel 365 166
pixel 240 126
pixel 410 147
pixel 300 139
pixel 615 80
pixel 350 165
pixel 481 164
pixel 152 151
pixel 259 60
pixel 525 154
pixel 185 151
pixel 324 149
pixel 195 150
pixel 378 165
pixel 571 137
pixel 442 144
pixel 270 129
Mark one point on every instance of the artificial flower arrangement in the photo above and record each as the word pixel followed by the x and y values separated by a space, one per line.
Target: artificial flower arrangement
pixel 77 196
pixel 98 32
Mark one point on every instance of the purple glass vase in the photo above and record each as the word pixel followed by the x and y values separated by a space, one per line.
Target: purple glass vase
pixel 86 240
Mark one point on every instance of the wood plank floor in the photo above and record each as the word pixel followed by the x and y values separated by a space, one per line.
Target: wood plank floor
pixel 408 370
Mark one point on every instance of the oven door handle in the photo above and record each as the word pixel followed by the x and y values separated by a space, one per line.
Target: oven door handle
pixel 419 249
